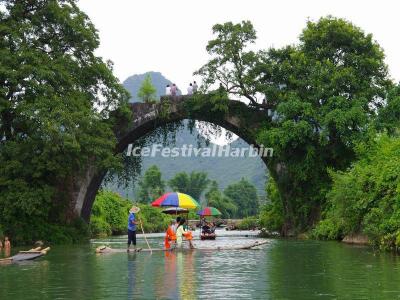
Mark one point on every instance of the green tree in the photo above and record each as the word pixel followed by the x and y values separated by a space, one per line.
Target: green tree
pixel 193 184
pixel 389 114
pixel 151 186
pixel 231 65
pixel 147 91
pixel 322 95
pixel 218 200
pixel 58 103
pixel 244 196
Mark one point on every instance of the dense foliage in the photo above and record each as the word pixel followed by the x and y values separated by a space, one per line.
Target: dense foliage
pixel 366 198
pixel 272 214
pixel 151 185
pixel 249 223
pixel 244 196
pixel 58 103
pixel 192 184
pixel 110 216
pixel 216 198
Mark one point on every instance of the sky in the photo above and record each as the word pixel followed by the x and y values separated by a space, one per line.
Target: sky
pixel 171 36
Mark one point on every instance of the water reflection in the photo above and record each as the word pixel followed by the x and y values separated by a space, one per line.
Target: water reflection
pixel 310 269
pixel 186 274
pixel 169 287
pixel 279 270
pixel 131 275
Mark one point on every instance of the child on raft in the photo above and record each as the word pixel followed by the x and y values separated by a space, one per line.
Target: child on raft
pixel 181 232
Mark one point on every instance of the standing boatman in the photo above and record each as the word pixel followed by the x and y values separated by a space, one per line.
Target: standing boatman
pixel 132 227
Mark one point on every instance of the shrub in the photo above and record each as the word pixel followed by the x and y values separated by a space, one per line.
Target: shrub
pixel 248 223
pixel 327 230
pixel 153 219
pixel 111 209
pixel 110 216
pixel 99 227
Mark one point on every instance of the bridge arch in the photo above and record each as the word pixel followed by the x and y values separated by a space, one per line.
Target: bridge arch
pixel 147 117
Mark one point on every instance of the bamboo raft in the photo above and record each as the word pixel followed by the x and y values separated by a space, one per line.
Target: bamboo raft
pixel 104 249
pixel 26 255
pixel 211 236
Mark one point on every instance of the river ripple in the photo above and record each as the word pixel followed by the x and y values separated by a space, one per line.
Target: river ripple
pixel 281 269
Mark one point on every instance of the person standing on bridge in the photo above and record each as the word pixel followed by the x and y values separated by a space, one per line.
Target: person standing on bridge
pixel 190 89
pixel 132 227
pixel 174 89
pixel 195 87
pixel 168 90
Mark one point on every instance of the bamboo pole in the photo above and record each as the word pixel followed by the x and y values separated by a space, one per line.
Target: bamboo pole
pixel 141 226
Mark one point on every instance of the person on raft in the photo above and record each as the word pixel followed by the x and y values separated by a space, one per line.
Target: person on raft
pixel 170 235
pixel 181 232
pixel 132 227
pixel 175 226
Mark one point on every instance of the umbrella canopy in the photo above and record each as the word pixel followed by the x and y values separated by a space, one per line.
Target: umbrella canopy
pixel 176 200
pixel 175 211
pixel 209 211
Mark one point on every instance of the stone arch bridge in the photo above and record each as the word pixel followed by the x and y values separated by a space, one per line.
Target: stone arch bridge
pixel 239 118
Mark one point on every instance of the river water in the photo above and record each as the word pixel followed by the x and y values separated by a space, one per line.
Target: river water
pixel 280 269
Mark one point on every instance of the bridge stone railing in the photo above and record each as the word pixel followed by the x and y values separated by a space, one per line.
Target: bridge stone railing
pixel 144 112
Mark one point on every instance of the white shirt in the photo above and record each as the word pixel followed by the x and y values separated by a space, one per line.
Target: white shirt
pixel 168 91
pixel 190 90
pixel 179 233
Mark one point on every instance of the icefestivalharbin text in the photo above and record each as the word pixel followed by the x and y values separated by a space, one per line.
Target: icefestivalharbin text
pixel 190 151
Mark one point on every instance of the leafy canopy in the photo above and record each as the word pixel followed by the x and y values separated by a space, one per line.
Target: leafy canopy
pixel 151 186
pixel 320 98
pixel 192 184
pixel 215 198
pixel 244 196
pixel 231 65
pixel 57 107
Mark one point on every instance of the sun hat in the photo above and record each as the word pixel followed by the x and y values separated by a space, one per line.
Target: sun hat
pixel 134 209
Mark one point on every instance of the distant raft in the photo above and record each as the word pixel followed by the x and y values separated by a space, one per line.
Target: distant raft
pixel 26 255
pixel 104 249
pixel 208 236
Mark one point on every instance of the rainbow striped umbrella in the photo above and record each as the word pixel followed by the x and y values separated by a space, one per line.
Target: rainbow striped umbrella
pixel 176 200
pixel 209 211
